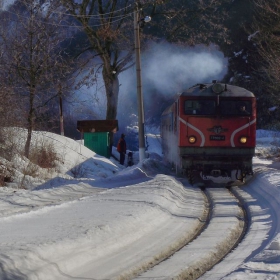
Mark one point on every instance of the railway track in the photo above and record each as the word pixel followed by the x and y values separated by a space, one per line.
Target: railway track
pixel 189 261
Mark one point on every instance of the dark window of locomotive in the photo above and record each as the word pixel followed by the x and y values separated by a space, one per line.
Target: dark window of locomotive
pixel 200 107
pixel 235 107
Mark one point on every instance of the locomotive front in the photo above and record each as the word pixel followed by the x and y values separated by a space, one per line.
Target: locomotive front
pixel 210 133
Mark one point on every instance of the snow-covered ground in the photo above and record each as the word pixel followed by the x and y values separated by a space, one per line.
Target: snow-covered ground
pixel 91 218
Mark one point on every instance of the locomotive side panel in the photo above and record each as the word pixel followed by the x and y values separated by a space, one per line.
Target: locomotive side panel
pixel 169 135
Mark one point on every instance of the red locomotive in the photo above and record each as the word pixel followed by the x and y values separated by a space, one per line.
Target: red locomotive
pixel 209 133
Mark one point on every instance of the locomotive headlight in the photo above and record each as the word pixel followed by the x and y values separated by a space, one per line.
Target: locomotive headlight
pixel 243 140
pixel 192 139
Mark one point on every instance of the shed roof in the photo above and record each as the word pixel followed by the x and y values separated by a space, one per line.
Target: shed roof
pixel 97 126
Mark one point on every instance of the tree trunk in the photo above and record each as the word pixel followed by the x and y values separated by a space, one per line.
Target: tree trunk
pixel 111 82
pixel 28 142
pixel 30 125
pixel 112 93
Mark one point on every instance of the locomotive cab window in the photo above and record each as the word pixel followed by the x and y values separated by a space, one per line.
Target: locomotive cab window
pixel 237 108
pixel 200 107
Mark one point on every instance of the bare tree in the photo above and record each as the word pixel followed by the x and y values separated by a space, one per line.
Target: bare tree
pixel 109 29
pixel 192 22
pixel 32 61
pixel 265 33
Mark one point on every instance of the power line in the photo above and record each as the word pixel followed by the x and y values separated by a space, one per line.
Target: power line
pixel 99 15
pixel 88 16
pixel 74 26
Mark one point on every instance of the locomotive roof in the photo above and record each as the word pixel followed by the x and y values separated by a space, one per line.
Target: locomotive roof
pixel 220 89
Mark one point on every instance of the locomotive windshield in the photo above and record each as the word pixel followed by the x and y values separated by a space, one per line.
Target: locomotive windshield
pixel 200 107
pixel 226 107
pixel 237 108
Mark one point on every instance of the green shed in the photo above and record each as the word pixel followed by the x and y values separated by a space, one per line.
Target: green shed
pixel 98 135
pixel 98 142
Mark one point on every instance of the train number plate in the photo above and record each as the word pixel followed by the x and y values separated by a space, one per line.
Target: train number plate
pixel 217 137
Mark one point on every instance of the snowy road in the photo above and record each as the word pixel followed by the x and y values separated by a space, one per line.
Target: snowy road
pixel 142 223
pixel 106 234
pixel 162 224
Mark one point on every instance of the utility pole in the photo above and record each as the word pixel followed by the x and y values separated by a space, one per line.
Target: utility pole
pixel 141 121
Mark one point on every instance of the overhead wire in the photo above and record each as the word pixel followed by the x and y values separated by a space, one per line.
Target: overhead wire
pixel 74 26
pixel 90 16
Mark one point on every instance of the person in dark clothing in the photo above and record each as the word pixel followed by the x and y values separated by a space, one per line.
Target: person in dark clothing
pixel 122 148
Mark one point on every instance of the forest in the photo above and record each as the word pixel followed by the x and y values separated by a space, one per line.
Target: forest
pixel 49 50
